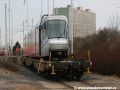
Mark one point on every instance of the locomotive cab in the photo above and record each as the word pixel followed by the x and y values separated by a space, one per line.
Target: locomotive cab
pixel 54 36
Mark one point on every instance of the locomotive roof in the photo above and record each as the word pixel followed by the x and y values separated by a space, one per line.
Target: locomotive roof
pixel 54 17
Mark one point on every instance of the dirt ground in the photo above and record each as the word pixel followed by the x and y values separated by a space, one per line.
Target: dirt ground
pixel 22 80
pixel 26 79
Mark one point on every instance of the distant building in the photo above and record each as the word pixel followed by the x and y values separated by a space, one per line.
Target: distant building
pixel 84 21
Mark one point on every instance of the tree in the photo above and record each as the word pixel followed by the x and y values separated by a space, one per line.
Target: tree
pixel 114 22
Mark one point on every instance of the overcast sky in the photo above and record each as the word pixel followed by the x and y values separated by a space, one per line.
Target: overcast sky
pixel 104 9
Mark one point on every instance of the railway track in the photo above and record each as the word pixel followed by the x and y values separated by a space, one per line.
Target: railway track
pixel 78 85
pixel 64 81
pixel 74 85
pixel 69 84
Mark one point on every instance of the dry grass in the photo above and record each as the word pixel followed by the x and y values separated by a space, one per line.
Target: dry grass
pixel 4 71
pixel 27 87
pixel 7 67
pixel 105 51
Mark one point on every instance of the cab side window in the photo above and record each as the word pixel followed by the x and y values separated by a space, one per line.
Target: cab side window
pixel 44 31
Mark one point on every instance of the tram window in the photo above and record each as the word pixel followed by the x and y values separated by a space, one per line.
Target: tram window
pixel 44 31
pixel 56 28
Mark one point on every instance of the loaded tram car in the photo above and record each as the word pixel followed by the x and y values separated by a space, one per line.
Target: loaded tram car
pixel 46 48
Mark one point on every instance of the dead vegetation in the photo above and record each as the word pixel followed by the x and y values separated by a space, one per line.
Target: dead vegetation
pixel 6 67
pixel 28 87
pixel 105 49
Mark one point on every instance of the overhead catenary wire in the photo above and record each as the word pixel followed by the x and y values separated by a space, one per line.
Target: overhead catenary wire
pixel 96 2
pixel 18 16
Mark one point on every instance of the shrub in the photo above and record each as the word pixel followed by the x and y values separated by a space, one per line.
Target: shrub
pixel 105 49
pixel 9 66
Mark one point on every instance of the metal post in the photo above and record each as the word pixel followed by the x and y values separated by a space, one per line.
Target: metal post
pixel 53 7
pixel 48 7
pixel 27 13
pixel 9 29
pixel 0 41
pixel 41 9
pixel 20 40
pixel 32 23
pixel 6 34
pixel 71 27
pixel 12 36
pixel 49 56
pixel 88 55
pixel 23 37
pixel 88 69
pixel 53 70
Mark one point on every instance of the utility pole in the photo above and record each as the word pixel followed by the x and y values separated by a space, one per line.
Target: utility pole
pixel 20 40
pixel 32 22
pixel 12 35
pixel 9 28
pixel 27 13
pixel 53 7
pixel 41 9
pixel 6 34
pixel 71 28
pixel 48 7
pixel 0 41
pixel 23 37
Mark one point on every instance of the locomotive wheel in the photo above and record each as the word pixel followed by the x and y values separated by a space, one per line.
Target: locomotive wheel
pixel 78 78
pixel 24 63
pixel 71 77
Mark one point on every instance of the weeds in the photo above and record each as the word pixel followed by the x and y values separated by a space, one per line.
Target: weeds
pixel 105 49
pixel 10 66
pixel 28 87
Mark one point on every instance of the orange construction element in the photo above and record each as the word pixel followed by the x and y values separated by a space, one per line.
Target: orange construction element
pixel 88 69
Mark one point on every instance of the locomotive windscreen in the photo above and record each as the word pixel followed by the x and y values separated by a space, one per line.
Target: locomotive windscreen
pixel 57 29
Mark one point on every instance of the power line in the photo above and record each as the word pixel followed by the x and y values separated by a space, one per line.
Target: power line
pixel 96 2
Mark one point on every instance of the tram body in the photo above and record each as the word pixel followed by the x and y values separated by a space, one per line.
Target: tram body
pixel 46 48
pixel 49 35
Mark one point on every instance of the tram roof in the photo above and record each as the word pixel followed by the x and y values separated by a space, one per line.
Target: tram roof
pixel 54 17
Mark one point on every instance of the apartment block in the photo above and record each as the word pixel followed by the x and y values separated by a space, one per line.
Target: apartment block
pixel 84 21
